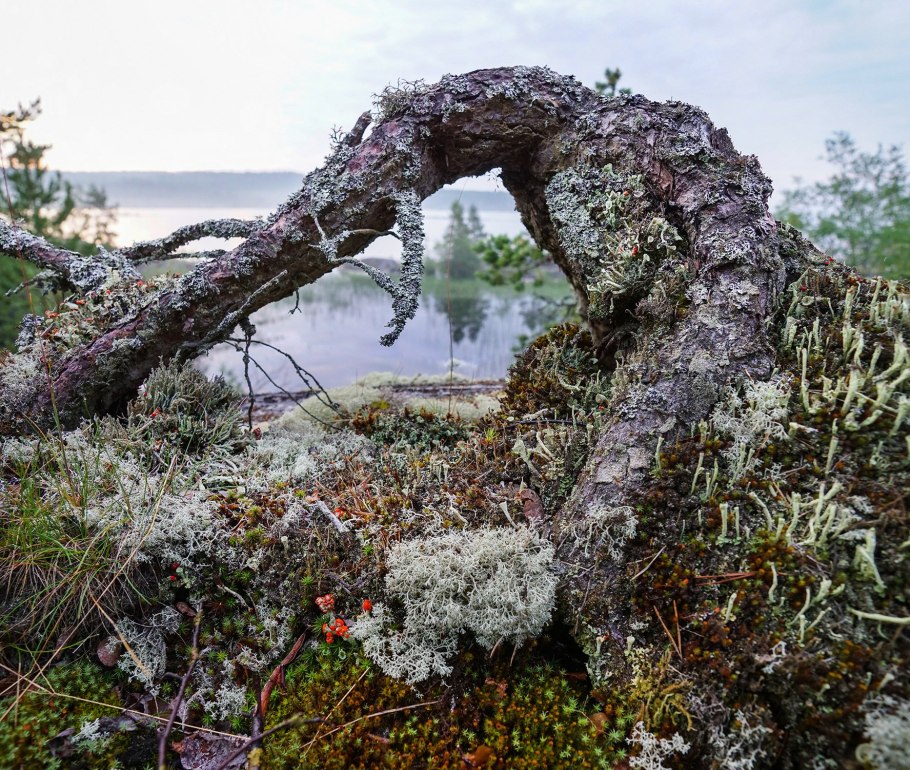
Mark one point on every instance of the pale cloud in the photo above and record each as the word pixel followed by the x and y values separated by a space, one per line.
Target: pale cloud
pixel 240 85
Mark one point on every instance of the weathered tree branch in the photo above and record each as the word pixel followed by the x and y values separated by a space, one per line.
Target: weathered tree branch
pixel 634 199
pixel 150 251
pixel 80 272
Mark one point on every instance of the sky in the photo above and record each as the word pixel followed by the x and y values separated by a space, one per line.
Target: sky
pixel 249 86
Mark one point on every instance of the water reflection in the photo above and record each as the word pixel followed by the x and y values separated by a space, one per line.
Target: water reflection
pixel 335 331
pixel 464 305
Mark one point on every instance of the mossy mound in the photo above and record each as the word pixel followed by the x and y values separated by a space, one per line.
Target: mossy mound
pixel 767 577
pixel 746 610
pixel 556 374
pixel 67 719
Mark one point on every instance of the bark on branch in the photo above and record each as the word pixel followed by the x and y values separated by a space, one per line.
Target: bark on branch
pixel 634 199
pixel 149 251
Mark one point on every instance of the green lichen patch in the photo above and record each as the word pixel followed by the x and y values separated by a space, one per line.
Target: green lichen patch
pixel 607 227
pixel 556 374
pixel 418 429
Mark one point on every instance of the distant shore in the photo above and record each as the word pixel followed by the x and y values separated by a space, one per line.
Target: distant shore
pixel 255 189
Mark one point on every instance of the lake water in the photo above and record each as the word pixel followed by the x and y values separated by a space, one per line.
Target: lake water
pixel 335 332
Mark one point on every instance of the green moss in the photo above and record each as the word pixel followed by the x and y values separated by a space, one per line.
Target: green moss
pixel 529 716
pixel 30 733
pixel 417 429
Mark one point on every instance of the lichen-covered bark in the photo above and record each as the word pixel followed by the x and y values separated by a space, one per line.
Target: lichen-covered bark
pixel 640 203
pixel 592 177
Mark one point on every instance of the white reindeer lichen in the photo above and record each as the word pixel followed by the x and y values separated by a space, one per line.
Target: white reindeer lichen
pixel 493 583
pixel 653 750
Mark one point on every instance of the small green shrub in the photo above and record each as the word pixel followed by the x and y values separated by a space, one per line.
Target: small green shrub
pixel 558 372
pixel 419 429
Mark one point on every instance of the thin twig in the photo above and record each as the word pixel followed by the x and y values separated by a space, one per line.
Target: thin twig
pixel 88 701
pixel 667 630
pixel 336 522
pixel 283 390
pixel 449 314
pixel 126 645
pixel 337 704
pixel 244 747
pixel 678 631
pixel 292 721
pixel 644 569
pixel 194 657
pixel 302 373
pixel 382 714
pixel 248 331
pixel 299 719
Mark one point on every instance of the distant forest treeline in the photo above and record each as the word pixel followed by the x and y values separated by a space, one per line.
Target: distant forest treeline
pixel 265 190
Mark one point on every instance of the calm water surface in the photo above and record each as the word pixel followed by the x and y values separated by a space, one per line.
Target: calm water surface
pixel 335 332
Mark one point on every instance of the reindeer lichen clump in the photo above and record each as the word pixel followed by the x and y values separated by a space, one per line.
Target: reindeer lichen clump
pixel 494 583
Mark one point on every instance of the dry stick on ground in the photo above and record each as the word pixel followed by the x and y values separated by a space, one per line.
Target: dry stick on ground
pixel 259 711
pixel 673 641
pixel 194 658
pixel 647 566
pixel 249 744
pixel 278 675
pixel 377 714
pixel 126 645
